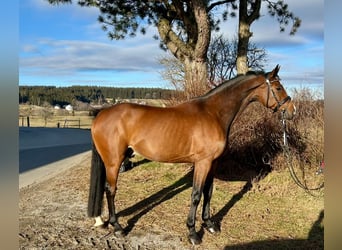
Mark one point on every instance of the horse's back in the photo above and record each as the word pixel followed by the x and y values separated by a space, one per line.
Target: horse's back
pixel 134 112
pixel 125 117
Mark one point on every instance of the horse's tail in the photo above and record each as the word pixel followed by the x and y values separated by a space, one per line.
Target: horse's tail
pixel 97 184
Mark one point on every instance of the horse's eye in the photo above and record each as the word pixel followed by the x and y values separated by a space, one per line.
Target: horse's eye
pixel 278 88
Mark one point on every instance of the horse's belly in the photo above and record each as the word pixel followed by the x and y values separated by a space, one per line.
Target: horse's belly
pixel 178 150
pixel 163 151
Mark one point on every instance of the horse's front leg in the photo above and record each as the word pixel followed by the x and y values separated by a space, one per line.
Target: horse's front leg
pixel 200 174
pixel 207 194
pixel 195 199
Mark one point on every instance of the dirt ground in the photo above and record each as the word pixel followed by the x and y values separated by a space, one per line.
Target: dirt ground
pixel 52 215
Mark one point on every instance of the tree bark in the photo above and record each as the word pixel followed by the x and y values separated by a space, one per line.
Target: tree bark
pixel 241 60
pixel 245 21
pixel 195 78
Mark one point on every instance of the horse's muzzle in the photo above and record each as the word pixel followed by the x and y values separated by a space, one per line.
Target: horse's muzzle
pixel 289 112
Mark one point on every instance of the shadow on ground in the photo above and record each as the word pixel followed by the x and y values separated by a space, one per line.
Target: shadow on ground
pixel 33 158
pixel 42 146
pixel 144 206
pixel 315 240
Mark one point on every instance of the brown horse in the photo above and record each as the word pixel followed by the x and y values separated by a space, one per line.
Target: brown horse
pixel 192 132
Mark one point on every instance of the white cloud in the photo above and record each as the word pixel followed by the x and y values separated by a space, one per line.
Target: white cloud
pixel 71 55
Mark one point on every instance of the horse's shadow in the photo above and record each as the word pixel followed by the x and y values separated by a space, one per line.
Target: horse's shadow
pixel 315 240
pixel 144 206
pixel 230 170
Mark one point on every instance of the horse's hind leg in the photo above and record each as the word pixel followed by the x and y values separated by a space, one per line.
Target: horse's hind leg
pixel 112 172
pixel 110 194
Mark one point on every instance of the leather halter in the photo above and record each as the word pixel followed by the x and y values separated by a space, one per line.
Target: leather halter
pixel 279 103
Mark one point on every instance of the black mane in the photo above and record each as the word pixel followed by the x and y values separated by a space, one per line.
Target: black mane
pixel 234 81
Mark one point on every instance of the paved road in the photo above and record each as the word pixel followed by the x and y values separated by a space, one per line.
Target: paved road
pixel 42 146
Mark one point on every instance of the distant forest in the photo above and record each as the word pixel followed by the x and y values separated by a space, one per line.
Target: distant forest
pixel 43 95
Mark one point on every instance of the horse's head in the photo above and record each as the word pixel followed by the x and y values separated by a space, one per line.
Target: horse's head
pixel 274 95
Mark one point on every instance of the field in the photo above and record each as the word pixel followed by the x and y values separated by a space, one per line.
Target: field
pixel 52 118
pixel 255 200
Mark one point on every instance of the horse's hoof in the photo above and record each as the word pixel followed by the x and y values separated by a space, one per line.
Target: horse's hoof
pixel 211 227
pixel 194 239
pixel 98 222
pixel 119 233
pixel 213 230
pixel 118 230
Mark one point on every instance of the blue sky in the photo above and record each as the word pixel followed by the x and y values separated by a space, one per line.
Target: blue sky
pixel 65 45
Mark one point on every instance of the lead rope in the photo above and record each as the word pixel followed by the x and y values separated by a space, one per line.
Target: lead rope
pixel 288 156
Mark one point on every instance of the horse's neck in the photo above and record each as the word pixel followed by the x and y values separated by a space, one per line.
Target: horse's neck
pixel 228 104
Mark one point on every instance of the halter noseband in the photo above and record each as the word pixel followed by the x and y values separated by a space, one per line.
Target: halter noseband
pixel 279 103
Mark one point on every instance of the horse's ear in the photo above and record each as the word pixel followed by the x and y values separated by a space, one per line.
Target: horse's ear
pixel 275 71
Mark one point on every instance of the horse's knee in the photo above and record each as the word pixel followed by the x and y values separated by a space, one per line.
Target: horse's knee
pixel 110 189
pixel 196 197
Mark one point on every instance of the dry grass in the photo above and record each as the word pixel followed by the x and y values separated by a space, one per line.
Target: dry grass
pixel 257 137
pixel 274 210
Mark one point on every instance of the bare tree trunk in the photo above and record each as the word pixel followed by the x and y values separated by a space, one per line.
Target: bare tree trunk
pixel 192 52
pixel 245 21
pixel 195 78
pixel 241 60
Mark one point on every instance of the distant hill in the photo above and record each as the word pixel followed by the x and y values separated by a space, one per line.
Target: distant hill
pixel 42 95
